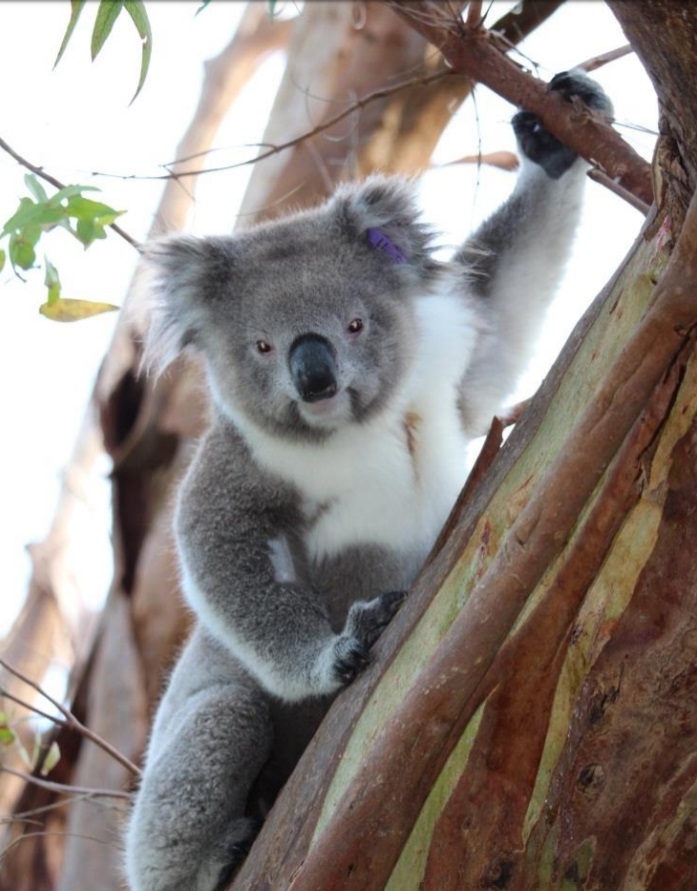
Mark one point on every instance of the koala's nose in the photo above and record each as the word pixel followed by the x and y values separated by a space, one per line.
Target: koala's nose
pixel 313 367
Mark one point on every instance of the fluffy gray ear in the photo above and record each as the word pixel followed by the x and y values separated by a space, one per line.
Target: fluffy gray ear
pixel 383 212
pixel 181 276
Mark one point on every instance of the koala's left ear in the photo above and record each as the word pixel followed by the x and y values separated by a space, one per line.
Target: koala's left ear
pixel 382 211
pixel 181 274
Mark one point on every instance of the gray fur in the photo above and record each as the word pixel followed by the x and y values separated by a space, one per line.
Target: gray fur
pixel 302 518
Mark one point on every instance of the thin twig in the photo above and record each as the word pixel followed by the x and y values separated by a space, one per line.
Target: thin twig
pixel 5 694
pixel 41 173
pixel 63 788
pixel 474 14
pixel 44 834
pixel 601 177
pixel 315 131
pixel 72 721
pixel 604 58
pixel 24 816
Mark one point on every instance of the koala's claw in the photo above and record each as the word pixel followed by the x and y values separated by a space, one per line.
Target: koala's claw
pixel 577 84
pixel 365 623
pixel 538 144
pixel 351 658
pixel 368 619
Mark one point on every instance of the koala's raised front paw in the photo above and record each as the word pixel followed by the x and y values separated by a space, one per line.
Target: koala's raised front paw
pixel 538 144
pixel 366 621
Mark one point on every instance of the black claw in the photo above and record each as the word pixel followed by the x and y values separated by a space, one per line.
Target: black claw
pixel 351 660
pixel 538 144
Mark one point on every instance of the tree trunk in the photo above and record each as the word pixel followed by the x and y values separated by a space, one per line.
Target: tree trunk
pixel 531 720
pixel 541 668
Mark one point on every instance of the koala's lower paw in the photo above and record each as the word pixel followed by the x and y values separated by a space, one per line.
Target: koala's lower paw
pixel 242 835
pixel 538 144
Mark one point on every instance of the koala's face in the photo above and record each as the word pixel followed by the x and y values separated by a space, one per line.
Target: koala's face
pixel 306 324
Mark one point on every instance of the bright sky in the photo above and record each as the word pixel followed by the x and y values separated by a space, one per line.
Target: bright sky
pixel 77 119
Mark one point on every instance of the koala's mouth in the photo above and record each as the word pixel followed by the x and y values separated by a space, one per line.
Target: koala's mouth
pixel 327 412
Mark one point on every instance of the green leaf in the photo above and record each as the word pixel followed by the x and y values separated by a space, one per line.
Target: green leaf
pixel 272 8
pixel 43 216
pixel 69 191
pixel 22 251
pixel 136 10
pixel 76 7
pixel 202 6
pixel 35 187
pixel 52 282
pixel 84 208
pixel 52 758
pixel 66 309
pixel 3 257
pixel 7 734
pixel 107 14
pixel 92 218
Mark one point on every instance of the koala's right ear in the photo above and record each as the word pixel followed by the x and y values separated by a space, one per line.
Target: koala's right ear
pixel 181 276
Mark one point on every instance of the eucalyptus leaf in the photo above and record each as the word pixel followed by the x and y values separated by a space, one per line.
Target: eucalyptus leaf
pixel 7 734
pixel 45 216
pixel 136 10
pixel 22 251
pixel 3 257
pixel 52 758
pixel 107 13
pixel 66 309
pixel 35 187
pixel 69 191
pixel 76 7
pixel 52 282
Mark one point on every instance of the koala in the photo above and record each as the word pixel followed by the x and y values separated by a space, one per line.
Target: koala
pixel 347 370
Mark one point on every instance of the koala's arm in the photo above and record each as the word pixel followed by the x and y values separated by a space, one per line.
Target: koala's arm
pixel 231 521
pixel 516 258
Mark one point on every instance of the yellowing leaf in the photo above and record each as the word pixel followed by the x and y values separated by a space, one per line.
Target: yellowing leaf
pixel 65 309
pixel 52 758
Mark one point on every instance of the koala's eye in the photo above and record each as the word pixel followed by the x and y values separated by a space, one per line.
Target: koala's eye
pixel 355 326
pixel 264 347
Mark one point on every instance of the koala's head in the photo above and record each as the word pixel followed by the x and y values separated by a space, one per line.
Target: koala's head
pixel 307 323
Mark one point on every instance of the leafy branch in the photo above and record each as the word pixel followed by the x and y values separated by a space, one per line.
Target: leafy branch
pixel 68 208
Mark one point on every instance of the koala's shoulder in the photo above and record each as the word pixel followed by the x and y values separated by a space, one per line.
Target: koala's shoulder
pixel 224 473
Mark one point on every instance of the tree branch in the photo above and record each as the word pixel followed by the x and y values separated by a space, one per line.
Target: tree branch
pixel 474 52
pixel 291 143
pixel 63 789
pixel 71 721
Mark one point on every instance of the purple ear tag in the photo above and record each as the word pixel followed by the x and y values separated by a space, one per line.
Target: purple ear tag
pixel 379 240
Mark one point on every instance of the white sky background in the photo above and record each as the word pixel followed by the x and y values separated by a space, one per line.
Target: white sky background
pixel 77 119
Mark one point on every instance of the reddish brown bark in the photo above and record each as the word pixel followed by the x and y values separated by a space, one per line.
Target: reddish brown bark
pixel 471 50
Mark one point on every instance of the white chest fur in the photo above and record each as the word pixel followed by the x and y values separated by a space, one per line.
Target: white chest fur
pixel 393 481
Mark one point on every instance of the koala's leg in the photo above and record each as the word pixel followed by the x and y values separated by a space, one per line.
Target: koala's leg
pixel 212 735
pixel 516 259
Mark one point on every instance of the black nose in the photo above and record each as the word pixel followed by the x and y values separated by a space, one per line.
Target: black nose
pixel 312 367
